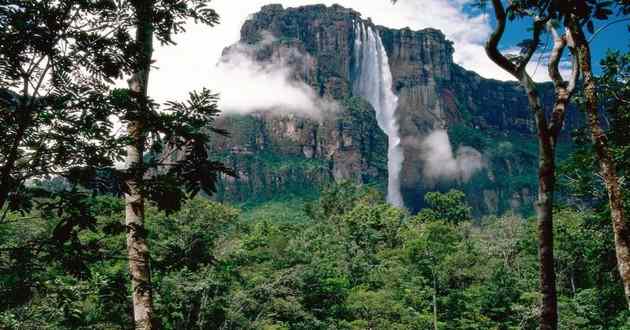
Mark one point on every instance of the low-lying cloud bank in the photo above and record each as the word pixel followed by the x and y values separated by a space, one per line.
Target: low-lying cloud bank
pixel 440 163
pixel 247 85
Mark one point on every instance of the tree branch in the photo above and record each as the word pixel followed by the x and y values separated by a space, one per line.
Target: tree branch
pixel 493 42
pixel 539 24
pixel 519 71
pixel 563 89
pixel 559 44
pixel 575 64
pixel 41 79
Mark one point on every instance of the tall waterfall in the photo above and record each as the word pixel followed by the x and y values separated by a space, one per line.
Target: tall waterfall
pixel 374 83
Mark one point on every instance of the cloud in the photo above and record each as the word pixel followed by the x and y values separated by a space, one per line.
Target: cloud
pixel 441 164
pixel 538 65
pixel 248 85
pixel 190 64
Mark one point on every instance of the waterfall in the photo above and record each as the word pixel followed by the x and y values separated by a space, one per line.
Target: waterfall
pixel 373 81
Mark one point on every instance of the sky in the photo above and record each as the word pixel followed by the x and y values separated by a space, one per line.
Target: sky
pixel 192 63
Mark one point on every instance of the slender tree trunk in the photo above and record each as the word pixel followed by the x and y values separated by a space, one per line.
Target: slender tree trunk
pixel 548 132
pixel 546 171
pixel 544 208
pixel 573 282
pixel 621 228
pixel 137 247
pixel 547 140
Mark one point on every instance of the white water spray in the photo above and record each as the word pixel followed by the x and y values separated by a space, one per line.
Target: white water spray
pixel 374 83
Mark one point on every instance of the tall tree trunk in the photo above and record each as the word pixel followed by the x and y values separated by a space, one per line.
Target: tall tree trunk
pixel 544 205
pixel 546 170
pixel 621 228
pixel 548 133
pixel 544 209
pixel 137 247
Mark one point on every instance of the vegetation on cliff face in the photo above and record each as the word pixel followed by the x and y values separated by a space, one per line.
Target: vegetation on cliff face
pixel 434 93
pixel 277 155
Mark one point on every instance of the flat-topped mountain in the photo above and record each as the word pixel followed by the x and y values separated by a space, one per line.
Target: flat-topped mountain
pixel 290 153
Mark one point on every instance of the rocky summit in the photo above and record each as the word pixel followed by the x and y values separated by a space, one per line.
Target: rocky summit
pixel 277 152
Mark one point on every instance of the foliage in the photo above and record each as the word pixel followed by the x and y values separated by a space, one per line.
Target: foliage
pixel 349 261
pixel 58 62
pixel 578 178
pixel 54 102
pixel 450 206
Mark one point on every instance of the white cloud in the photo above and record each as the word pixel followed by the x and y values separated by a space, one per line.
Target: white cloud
pixel 441 163
pixel 191 64
pixel 246 85
pixel 538 65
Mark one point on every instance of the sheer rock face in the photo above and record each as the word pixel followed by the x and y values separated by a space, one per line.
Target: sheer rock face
pixel 434 93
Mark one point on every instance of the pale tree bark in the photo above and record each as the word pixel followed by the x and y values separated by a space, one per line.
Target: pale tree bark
pixel 548 132
pixel 137 247
pixel 621 228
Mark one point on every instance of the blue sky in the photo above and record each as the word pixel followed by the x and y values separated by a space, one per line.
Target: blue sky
pixel 615 36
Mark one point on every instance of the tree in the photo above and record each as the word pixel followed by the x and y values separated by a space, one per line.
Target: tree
pixel 548 129
pixel 57 59
pixel 137 248
pixel 54 72
pixel 450 207
pixel 183 130
pixel 575 17
pixel 427 246
pixel 613 93
pixel 62 56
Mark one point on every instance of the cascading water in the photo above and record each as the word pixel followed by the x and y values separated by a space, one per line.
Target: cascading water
pixel 374 83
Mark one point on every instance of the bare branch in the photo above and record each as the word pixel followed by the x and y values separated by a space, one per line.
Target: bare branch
pixel 542 54
pixel 559 44
pixel 492 45
pixel 34 65
pixel 539 25
pixel 607 26
pixel 41 79
pixel 518 72
pixel 563 89
pixel 575 64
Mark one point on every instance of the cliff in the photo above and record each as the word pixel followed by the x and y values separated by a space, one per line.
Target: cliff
pixel 284 153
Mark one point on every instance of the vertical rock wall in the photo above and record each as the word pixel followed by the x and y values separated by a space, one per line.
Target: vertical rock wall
pixel 433 92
